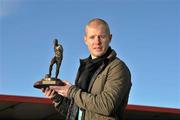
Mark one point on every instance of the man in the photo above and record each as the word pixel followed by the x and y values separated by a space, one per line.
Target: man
pixel 103 81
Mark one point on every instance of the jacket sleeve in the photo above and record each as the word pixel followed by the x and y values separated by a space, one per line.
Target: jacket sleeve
pixel 61 104
pixel 116 88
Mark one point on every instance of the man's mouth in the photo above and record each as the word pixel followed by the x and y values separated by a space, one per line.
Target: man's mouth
pixel 98 48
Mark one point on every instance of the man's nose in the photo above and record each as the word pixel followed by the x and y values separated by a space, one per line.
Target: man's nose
pixel 97 40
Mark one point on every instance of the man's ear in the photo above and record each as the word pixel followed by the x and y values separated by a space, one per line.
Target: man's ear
pixel 110 37
pixel 85 40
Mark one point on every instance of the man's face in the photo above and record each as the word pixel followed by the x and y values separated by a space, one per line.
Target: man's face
pixel 97 40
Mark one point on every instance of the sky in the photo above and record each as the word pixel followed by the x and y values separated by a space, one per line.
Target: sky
pixel 146 36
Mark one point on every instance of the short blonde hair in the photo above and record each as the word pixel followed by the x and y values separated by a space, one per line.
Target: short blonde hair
pixel 97 22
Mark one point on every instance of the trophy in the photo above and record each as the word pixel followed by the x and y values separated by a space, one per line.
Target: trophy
pixel 57 59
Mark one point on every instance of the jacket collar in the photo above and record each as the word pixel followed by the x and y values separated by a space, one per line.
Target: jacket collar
pixel 110 58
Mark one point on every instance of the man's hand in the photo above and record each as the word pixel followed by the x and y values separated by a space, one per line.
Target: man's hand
pixel 48 92
pixel 62 90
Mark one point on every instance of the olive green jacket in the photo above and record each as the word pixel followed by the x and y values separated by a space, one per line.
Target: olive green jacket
pixel 107 95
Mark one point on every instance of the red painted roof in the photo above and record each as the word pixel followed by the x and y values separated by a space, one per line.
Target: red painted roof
pixel 22 105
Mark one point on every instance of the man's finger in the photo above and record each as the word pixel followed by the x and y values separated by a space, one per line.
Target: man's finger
pixel 66 82
pixel 42 89
pixel 56 88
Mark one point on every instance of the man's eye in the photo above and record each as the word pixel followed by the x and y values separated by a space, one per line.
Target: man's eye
pixel 91 37
pixel 102 36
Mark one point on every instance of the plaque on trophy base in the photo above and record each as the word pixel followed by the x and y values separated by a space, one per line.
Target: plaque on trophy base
pixel 57 59
pixel 46 82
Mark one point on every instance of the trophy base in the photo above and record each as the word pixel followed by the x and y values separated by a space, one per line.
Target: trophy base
pixel 46 82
